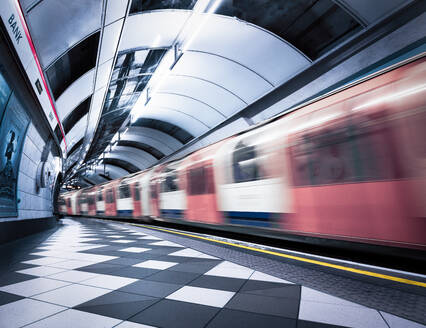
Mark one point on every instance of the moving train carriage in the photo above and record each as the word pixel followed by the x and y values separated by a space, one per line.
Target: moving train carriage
pixel 82 203
pixel 145 190
pixel 124 199
pixel 62 207
pixel 199 186
pixel 171 195
pixel 100 200
pixel 135 190
pixel 74 208
pixel 252 182
pixel 110 198
pixel 353 161
pixel 154 191
pixel 91 201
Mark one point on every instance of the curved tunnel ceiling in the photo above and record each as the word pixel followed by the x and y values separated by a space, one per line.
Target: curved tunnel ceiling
pixel 143 78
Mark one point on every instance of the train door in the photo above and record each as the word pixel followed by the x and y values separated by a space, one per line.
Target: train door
pixel 124 199
pixel 91 201
pixel 145 194
pixel 199 186
pixel 172 197
pixel 110 205
pixel 100 202
pixel 136 195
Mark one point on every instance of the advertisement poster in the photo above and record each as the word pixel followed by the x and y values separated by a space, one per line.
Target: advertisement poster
pixel 13 126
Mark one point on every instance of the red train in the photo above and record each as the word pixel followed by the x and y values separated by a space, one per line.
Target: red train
pixel 350 165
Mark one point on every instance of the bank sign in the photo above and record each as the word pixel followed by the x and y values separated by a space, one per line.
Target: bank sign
pixel 13 20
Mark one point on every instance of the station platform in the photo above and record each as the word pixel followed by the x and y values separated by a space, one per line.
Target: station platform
pixel 97 273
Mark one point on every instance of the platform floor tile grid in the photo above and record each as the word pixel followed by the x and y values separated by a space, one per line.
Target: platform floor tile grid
pixel 92 274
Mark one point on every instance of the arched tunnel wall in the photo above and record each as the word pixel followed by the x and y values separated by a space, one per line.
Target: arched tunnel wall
pixel 25 207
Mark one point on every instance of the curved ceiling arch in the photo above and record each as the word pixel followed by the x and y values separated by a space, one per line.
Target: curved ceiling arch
pixel 171 115
pixel 124 164
pixel 141 157
pixel 154 152
pixel 162 141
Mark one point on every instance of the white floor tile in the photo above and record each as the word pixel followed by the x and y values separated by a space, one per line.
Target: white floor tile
pixel 123 241
pixel 71 264
pixel 204 296
pixel 115 236
pixel 266 277
pixel 166 243
pixel 76 319
pixel 309 294
pixel 397 322
pixel 134 249
pixel 230 270
pixel 25 311
pixel 110 282
pixel 74 276
pixel 41 271
pixel 138 233
pixel 334 314
pixel 33 286
pixel 72 295
pixel 152 264
pixel 44 261
pixel 187 252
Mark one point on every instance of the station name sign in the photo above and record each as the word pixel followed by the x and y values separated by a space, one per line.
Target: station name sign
pixel 15 28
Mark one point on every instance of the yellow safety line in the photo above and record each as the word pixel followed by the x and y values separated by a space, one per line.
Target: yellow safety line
pixel 297 258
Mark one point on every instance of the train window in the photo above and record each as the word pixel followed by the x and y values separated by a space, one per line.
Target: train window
pixel 68 202
pixel 153 189
pixel 137 194
pixel 197 181
pixel 109 196
pixel 244 165
pixel 123 191
pixel 346 153
pixel 170 182
pixel 91 199
pixel 99 195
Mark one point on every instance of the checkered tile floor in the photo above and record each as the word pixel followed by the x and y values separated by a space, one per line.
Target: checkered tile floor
pixel 112 275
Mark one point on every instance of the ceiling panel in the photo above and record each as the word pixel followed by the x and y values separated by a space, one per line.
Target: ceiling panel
pixel 56 25
pixel 115 9
pixel 190 124
pixel 255 48
pixel 160 29
pixel 155 138
pixel 75 94
pixel 373 11
pixel 127 156
pixel 208 115
pixel 142 157
pixel 102 77
pixel 76 133
pixel 110 37
pixel 209 93
pixel 232 76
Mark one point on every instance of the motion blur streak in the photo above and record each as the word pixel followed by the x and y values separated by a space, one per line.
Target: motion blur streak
pixel 326 169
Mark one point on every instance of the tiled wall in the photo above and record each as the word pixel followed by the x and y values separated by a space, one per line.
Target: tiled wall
pixel 33 204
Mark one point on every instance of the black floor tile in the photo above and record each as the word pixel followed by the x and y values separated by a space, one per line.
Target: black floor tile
pixel 175 314
pixel 14 277
pixel 151 288
pixel 118 304
pixel 222 283
pixel 272 289
pixel 134 272
pixel 284 307
pixel 240 319
pixel 193 267
pixel 123 261
pixel 174 277
pixel 6 298
pixel 311 324
pixel 161 250
pixel 101 268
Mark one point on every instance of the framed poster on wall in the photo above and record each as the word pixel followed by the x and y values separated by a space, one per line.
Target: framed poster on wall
pixel 14 122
